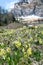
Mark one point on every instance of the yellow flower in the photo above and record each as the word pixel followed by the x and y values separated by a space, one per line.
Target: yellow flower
pixel 2 52
pixel 42 32
pixel 8 49
pixel 27 31
pixel 17 43
pixel 10 31
pixel 25 44
pixel 21 28
pixel 36 27
pixel 29 51
pixel 23 50
pixel 25 55
pixel 40 41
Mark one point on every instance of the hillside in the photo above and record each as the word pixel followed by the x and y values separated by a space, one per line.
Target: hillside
pixel 28 8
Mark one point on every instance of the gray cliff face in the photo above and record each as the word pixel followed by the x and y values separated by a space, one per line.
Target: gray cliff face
pixel 28 8
pixel 39 10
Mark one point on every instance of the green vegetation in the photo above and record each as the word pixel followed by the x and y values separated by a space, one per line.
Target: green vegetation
pixel 21 46
pixel 6 17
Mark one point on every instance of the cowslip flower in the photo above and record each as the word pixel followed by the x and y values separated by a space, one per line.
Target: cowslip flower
pixel 42 32
pixel 8 49
pixel 2 52
pixel 29 51
pixel 36 27
pixel 23 50
pixel 17 43
pixel 40 41
pixel 21 28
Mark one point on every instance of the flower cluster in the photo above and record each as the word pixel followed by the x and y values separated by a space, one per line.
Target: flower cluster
pixel 17 47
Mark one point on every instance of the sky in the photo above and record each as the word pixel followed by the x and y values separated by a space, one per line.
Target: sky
pixel 7 4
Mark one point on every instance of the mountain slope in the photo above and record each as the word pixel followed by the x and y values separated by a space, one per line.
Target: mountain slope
pixel 28 8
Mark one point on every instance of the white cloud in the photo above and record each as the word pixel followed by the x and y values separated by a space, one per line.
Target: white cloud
pixel 10 5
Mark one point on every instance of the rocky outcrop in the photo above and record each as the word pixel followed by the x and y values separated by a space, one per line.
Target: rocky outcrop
pixel 28 8
pixel 39 10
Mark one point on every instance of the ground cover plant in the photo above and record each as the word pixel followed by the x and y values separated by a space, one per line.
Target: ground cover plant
pixel 22 46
